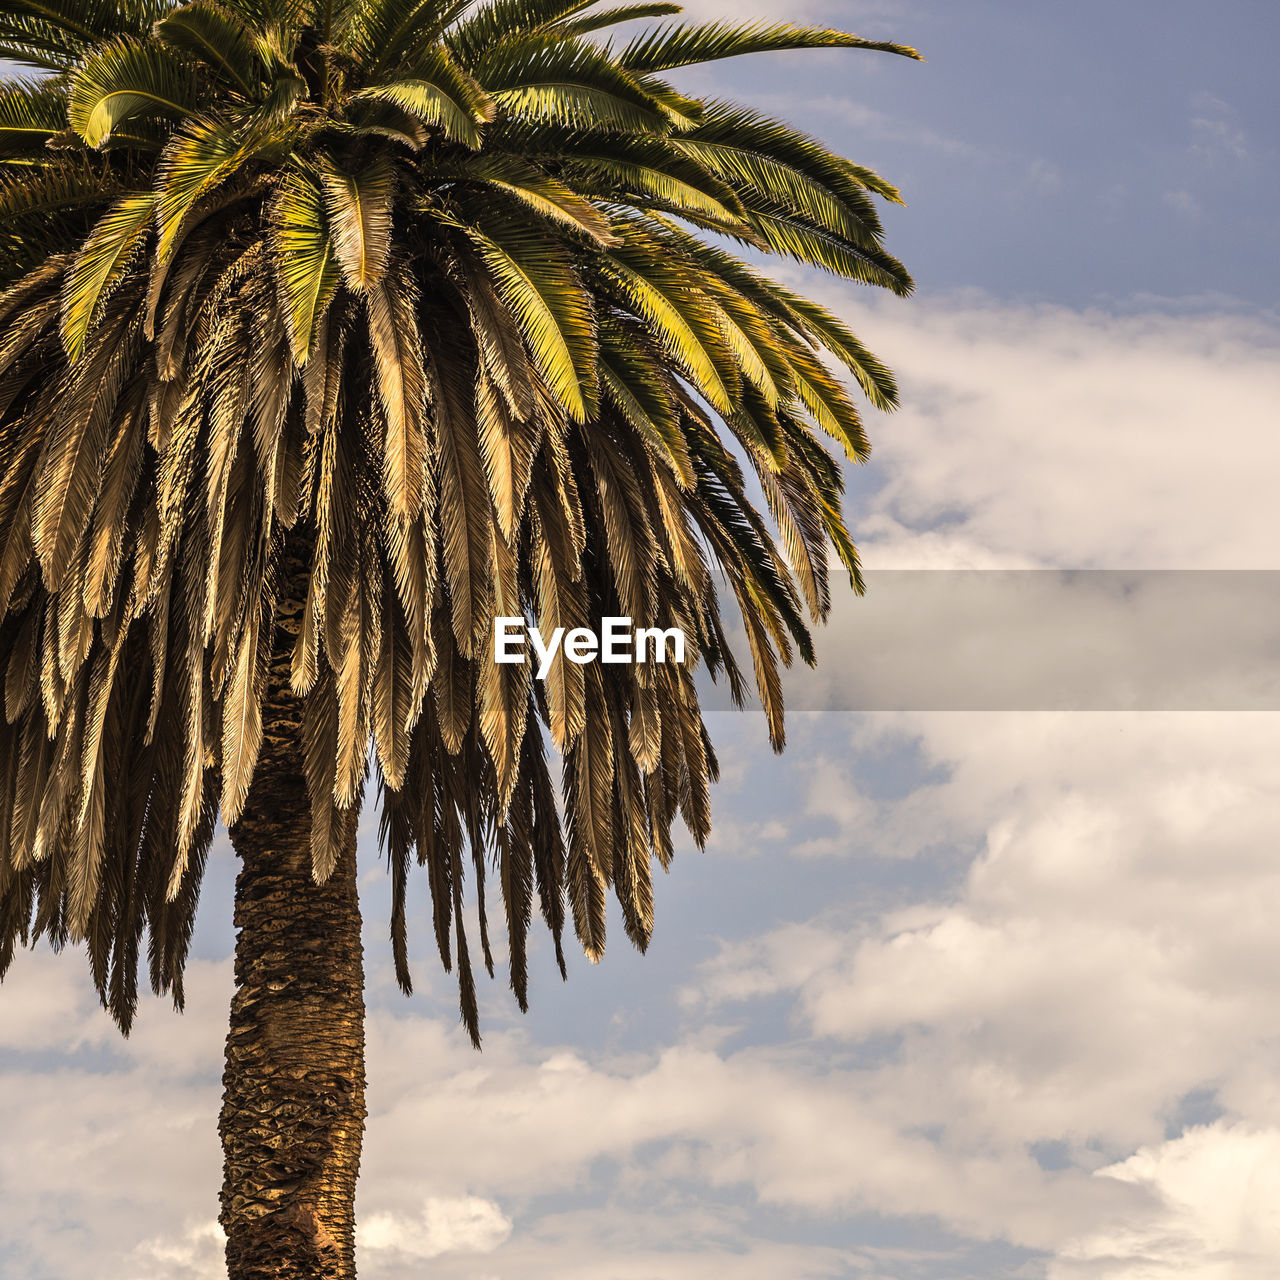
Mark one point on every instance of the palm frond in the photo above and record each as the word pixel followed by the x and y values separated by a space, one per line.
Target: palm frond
pixel 433 106
pixel 218 37
pixel 508 22
pixel 31 112
pixel 358 206
pixel 567 82
pixel 110 248
pixel 402 391
pixel 306 262
pixel 537 282
pixel 679 45
pixel 124 78
pixel 201 156
pixel 586 23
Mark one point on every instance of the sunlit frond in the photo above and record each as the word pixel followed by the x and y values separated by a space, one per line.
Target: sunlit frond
pixel 679 45
pixel 124 78
pixel 307 265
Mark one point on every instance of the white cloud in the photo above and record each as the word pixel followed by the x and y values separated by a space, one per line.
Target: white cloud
pixel 1043 437
pixel 446 1224
pixel 669 1240
pixel 1215 130
pixel 109 1142
pixel 49 1005
pixel 195 1253
pixel 835 796
pixel 1107 954
pixel 1219 1218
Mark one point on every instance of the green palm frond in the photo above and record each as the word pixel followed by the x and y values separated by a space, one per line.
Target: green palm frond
pixel 679 45
pixel 791 237
pixel 276 22
pixel 94 20
pixel 587 22
pixel 218 37
pixel 457 108
pixel 566 82
pixel 645 408
pixel 385 120
pixel 759 179
pixel 35 44
pixel 508 22
pixel 653 174
pixel 198 159
pixel 774 156
pixel 48 212
pixel 388 33
pixel 112 245
pixel 306 262
pixel 123 78
pixel 56 35
pixel 541 290
pixel 672 310
pixel 53 190
pixel 31 112
pixel 797 315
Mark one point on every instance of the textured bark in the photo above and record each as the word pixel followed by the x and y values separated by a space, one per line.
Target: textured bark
pixel 293 1104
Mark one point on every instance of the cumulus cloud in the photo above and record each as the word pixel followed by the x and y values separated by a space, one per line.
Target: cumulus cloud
pixel 1040 437
pixel 110 1147
pixel 1105 957
pixel 1218 1188
pixel 674 1242
pixel 195 1253
pixel 446 1224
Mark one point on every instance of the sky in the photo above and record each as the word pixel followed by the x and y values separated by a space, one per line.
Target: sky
pixel 952 994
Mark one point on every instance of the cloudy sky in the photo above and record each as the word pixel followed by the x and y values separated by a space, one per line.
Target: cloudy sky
pixel 953 993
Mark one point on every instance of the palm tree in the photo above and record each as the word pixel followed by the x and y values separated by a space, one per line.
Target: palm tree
pixel 331 331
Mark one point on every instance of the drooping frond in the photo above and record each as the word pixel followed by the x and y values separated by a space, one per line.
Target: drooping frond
pixel 306 261
pixel 125 78
pixel 331 336
pixel 358 205
pixel 217 37
pixel 103 261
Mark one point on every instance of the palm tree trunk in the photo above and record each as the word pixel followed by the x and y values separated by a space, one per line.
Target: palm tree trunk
pixel 293 1104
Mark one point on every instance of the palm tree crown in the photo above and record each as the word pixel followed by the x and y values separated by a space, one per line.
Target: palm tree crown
pixel 366 322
